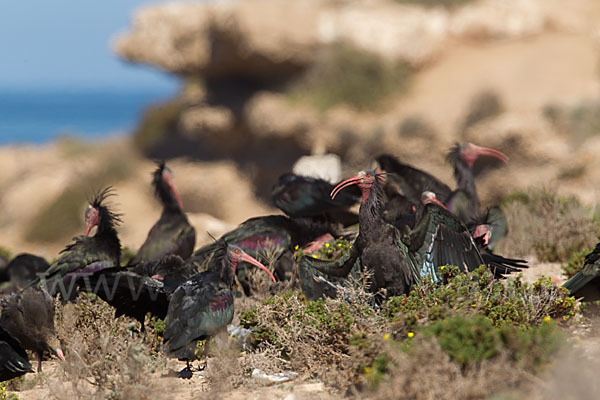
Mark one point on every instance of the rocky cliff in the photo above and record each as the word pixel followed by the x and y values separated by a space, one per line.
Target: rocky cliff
pixel 260 80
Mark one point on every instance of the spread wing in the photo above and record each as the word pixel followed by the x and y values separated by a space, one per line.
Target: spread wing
pixel 586 282
pixel 440 239
pixel 411 181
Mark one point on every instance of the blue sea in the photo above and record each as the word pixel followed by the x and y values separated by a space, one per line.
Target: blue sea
pixel 41 115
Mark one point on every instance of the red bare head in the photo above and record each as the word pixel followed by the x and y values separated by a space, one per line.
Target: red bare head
pixel 92 219
pixel 484 232
pixel 237 255
pixel 364 179
pixel 430 198
pixel 471 152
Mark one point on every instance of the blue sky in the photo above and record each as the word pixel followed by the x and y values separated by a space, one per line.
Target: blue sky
pixel 57 43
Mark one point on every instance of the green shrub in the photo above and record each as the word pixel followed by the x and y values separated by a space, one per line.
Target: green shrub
pixel 346 75
pixel 511 303
pixel 467 340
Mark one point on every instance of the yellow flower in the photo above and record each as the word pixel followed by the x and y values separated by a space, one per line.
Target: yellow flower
pixel 442 268
pixel 367 370
pixel 386 336
pixel 296 247
pixel 547 319
pixel 339 245
pixel 411 334
pixel 315 256
pixel 327 245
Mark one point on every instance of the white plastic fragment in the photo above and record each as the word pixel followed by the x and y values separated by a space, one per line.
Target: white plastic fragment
pixel 274 378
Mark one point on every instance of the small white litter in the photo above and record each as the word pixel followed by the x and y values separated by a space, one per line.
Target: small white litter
pixel 274 378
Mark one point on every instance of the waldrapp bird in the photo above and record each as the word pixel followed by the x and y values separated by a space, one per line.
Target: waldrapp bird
pixel 203 305
pixel 87 254
pixel 270 239
pixel 464 201
pixel 147 288
pixel 303 196
pixel 172 233
pixel 401 260
pixel 14 361
pixel 28 315
pixel 24 268
pixel 483 236
pixel 585 283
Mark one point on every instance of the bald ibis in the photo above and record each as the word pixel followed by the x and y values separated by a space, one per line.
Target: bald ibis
pixel 400 260
pixel 203 305
pixel 270 239
pixel 24 268
pixel 586 282
pixel 303 196
pixel 172 233
pixel 13 357
pixel 28 315
pixel 463 201
pixel 86 254
pixel 134 292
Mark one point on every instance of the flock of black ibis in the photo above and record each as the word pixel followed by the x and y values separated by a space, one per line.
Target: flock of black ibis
pixel 409 226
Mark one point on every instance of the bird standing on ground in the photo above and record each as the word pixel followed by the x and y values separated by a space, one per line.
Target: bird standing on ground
pixel 203 305
pixel 172 233
pixel 28 315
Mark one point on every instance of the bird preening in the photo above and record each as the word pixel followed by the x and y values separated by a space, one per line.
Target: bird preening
pixel 404 226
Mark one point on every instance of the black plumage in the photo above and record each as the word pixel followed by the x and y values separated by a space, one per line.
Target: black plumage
pixel 24 268
pixel 136 292
pixel 86 254
pixel 464 201
pixel 270 239
pixel 13 357
pixel 203 305
pixel 399 260
pixel 28 315
pixel 585 283
pixel 303 196
pixel 172 233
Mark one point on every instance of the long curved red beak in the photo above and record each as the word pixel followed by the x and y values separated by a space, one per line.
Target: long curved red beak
pixel 251 260
pixel 348 182
pixel 485 151
pixel 431 198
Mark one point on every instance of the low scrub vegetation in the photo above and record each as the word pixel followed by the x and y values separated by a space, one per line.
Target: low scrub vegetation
pixel 106 357
pixel 553 227
pixel 474 319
